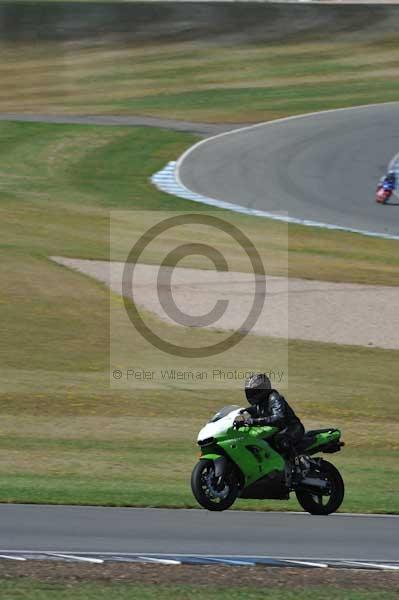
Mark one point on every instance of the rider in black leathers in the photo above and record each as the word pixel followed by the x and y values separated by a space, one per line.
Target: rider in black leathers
pixel 268 407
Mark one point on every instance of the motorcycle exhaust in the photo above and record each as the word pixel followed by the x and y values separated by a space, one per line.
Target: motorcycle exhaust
pixel 312 484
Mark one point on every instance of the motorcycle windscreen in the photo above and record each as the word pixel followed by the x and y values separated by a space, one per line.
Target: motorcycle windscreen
pixel 223 412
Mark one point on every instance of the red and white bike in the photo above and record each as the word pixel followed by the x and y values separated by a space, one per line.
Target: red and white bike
pixel 384 192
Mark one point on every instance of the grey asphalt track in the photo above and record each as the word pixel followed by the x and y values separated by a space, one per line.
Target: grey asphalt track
pixel 92 529
pixel 322 167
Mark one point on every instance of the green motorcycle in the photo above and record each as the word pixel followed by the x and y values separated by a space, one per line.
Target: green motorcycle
pixel 244 463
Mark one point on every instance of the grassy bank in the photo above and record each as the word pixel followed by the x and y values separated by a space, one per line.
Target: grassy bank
pixel 39 579
pixel 67 436
pixel 215 62
pixel 241 85
pixel 20 590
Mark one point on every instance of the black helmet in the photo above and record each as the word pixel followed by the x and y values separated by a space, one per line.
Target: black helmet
pixel 257 387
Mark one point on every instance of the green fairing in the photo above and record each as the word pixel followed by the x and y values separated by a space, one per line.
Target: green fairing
pixel 322 439
pixel 210 456
pixel 235 444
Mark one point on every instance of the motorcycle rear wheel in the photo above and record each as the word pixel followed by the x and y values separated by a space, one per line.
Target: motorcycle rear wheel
pixel 313 503
pixel 205 487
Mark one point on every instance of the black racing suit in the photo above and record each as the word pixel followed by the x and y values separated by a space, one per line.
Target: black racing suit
pixel 275 411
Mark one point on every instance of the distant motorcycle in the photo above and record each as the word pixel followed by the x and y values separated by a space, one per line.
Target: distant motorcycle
pixel 245 463
pixel 384 192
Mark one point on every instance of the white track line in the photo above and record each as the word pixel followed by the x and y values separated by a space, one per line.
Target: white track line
pixel 156 556
pixel 74 557
pixel 237 560
pixel 307 563
pixel 162 561
pixel 383 566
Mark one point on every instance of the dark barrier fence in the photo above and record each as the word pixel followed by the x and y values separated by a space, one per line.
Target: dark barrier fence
pixel 180 21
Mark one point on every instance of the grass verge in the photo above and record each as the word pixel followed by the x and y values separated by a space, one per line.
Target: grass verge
pixel 20 590
pixel 215 64
pixel 135 580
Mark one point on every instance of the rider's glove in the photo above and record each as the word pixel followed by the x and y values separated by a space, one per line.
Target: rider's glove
pixel 241 421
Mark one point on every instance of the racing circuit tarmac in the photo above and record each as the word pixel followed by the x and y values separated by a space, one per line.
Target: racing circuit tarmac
pixel 134 530
pixel 322 167
pixel 96 529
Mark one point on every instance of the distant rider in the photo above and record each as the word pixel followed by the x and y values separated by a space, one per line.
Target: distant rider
pixel 388 181
pixel 268 407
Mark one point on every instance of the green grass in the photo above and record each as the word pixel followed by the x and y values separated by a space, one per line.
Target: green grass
pixel 264 102
pixel 116 478
pixel 22 590
pixel 66 436
pixel 216 79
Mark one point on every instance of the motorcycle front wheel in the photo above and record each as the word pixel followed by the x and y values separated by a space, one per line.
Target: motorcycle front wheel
pixel 318 504
pixel 211 492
